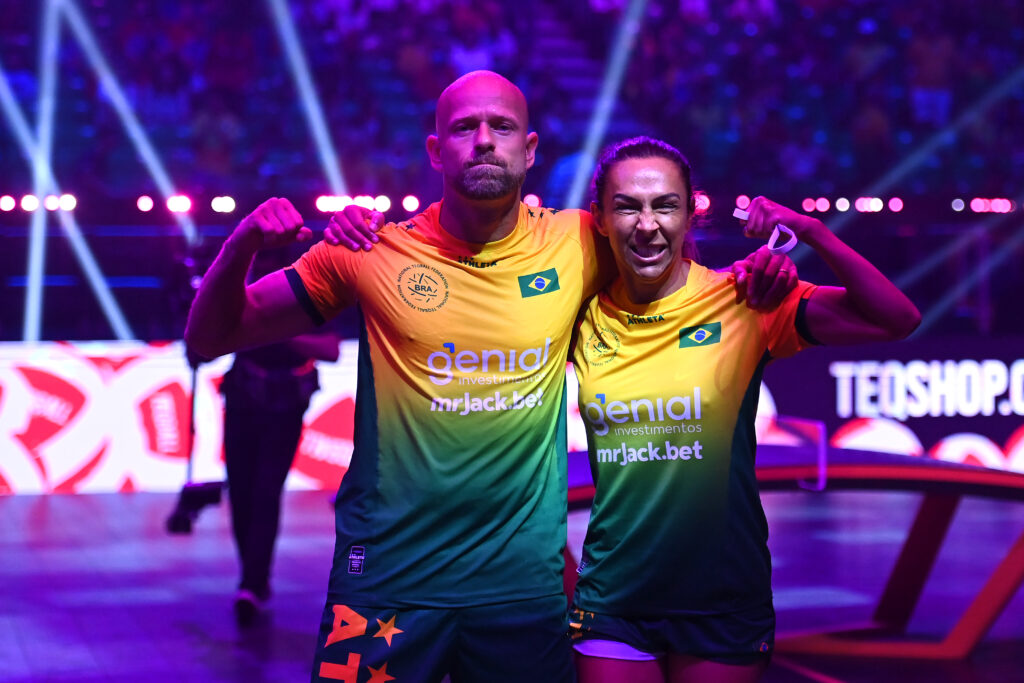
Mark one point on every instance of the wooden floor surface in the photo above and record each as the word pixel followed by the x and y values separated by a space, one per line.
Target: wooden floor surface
pixel 93 589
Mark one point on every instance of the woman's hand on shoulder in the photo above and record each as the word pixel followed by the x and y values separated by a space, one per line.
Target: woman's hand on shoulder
pixel 354 227
pixel 764 279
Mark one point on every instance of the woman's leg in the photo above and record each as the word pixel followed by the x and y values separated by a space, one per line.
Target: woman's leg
pixel 602 670
pixel 688 669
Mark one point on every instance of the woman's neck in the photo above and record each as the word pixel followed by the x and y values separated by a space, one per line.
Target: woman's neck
pixel 642 291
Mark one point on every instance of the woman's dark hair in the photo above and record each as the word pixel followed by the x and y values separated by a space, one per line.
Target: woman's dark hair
pixel 644 147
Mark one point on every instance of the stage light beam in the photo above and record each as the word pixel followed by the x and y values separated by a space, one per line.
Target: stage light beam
pixel 94 276
pixel 143 147
pixel 960 287
pixel 48 44
pixel 946 136
pixel 622 48
pixel 307 93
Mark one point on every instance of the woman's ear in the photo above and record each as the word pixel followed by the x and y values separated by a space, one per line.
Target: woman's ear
pixel 596 213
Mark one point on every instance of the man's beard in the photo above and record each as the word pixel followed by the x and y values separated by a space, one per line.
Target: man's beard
pixel 484 181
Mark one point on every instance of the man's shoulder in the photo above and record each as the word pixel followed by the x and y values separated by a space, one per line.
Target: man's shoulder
pixel 404 236
pixel 555 223
pixel 560 216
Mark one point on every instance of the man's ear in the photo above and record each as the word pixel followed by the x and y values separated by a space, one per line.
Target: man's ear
pixel 597 219
pixel 434 152
pixel 531 148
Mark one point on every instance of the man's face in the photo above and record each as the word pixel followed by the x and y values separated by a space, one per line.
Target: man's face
pixel 482 146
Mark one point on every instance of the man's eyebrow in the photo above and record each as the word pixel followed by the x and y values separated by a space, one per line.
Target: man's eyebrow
pixel 493 118
pixel 468 118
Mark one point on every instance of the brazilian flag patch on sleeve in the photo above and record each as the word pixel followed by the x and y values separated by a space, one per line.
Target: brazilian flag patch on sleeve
pixel 535 284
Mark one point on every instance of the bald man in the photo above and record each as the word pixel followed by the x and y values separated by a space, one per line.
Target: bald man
pixel 451 517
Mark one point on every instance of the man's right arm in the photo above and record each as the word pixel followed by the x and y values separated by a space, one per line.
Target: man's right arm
pixel 226 314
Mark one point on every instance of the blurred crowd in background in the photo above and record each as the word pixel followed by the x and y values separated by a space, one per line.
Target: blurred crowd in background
pixel 802 97
pixel 787 99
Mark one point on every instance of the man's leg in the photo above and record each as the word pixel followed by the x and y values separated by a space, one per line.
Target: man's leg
pixel 514 642
pixel 241 441
pixel 271 458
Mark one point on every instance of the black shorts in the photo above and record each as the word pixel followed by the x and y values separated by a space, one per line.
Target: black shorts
pixel 504 642
pixel 744 637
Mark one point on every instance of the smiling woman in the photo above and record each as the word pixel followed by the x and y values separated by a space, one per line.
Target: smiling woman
pixel 675 579
pixel 647 222
pixel 647 216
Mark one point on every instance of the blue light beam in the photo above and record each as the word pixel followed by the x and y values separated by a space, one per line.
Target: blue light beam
pixel 307 93
pixel 941 138
pixel 94 276
pixel 143 147
pixel 50 40
pixel 622 48
pixel 1006 248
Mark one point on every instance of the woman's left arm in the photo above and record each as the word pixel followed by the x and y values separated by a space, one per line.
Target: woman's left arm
pixel 867 307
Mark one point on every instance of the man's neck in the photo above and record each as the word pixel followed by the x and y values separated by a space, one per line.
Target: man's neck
pixel 479 221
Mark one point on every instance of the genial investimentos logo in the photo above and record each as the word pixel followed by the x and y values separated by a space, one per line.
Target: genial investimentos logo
pixel 423 287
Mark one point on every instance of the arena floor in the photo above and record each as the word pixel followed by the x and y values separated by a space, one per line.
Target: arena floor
pixel 93 589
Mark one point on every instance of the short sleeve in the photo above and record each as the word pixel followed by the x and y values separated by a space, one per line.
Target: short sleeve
pixel 782 327
pixel 599 267
pixel 324 279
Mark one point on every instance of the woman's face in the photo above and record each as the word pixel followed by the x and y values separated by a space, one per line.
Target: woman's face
pixel 644 213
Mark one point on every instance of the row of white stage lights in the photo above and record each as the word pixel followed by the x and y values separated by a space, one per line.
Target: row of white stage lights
pixel 895 204
pixel 30 202
pixel 180 203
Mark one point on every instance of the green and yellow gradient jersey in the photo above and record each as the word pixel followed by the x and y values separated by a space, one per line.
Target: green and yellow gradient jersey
pixel 456 493
pixel 668 393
